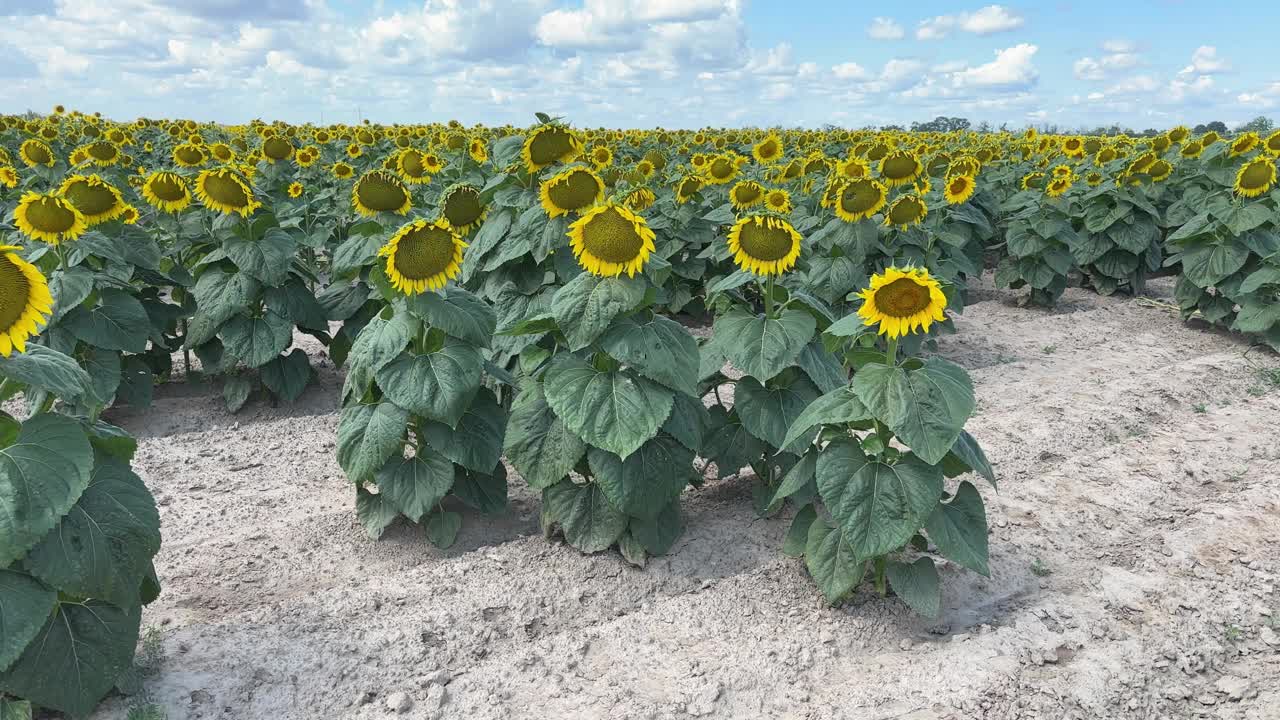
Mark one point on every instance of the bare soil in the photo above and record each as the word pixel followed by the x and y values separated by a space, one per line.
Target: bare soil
pixel 1134 571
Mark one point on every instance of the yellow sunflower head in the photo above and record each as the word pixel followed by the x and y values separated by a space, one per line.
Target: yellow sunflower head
pixel 1191 149
pixel 902 301
pixel 1256 176
pixel 1061 171
pixel 764 244
pixel 746 194
pixel 295 190
pixel 907 210
pixel 549 144
pixel 277 148
pixel 1271 145
pixel 48 217
pixel 342 171
pixel 102 153
pixel 97 200
pixel 645 168
pixel 769 150
pixel 609 240
pixel 719 170
pixel 1073 147
pixel 686 188
pixel 1179 133
pixel 379 191
pixel 1094 179
pixel 958 189
pixel 35 152
pixel 1057 187
pixel 600 156
pixel 1210 138
pixel 189 155
pixel 640 199
pixel 571 190
pixel 1244 144
pixel 1160 170
pixel 25 301
pixel 462 208
pixel 778 200
pixel 226 191
pixel 1032 181
pixel 860 199
pixel 221 152
pixel 129 216
pixel 900 167
pixel 423 255
pixel 8 177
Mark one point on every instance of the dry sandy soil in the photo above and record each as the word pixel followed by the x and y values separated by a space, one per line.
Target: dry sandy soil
pixel 1134 572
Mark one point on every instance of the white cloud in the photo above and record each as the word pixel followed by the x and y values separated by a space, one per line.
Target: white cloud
pixel 883 28
pixel 935 28
pixel 850 71
pixel 1011 68
pixel 1267 97
pixel 985 21
pixel 1119 57
pixel 1205 61
pixel 617 23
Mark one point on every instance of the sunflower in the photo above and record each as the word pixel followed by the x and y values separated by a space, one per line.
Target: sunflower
pixel 1160 143
pixel 48 217
pixel 1032 181
pixel 1178 134
pixel 907 210
pixel 859 199
pixel 1160 170
pixel 129 215
pixel 1094 179
pixel 570 190
pixel 600 156
pixel 958 189
pixel 432 163
pixel 295 190
pixel 686 188
pixel 964 165
pixel 1073 147
pixel 97 200
pixel 768 150
pixel 610 239
pixel 1061 171
pixel 1271 145
pixel 719 170
pixel 34 152
pixel 1057 187
pixel 379 191
pixel 423 255
pixel 764 244
pixel 854 167
pixel 745 194
pixel 646 168
pixel 1244 144
pixel 221 152
pixel 275 149
pixel 1210 138
pixel 461 207
pixel 224 191
pixel 25 301
pixel 342 171
pixel 902 301
pixel 8 177
pixel 900 168
pixel 102 153
pixel 1192 149
pixel 549 144
pixel 188 155
pixel 1256 177
pixel 778 200
pixel 640 199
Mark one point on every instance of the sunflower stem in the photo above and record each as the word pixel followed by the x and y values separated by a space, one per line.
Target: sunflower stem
pixel 891 354
pixel 768 297
pixel 882 587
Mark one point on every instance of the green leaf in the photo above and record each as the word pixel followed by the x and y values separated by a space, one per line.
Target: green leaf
pixel 103 547
pixel 379 342
pixel 837 407
pixel 822 367
pixel 1257 315
pixel 442 528
pixel 42 474
pixel 257 340
pixel 798 532
pixel 477 441
pixel 1210 264
pixel 687 421
pixel 438 385
pixel 458 313
pixel 1267 275
pixel 587 304
pixel 375 512
pixel 728 443
pixel 294 301
pixel 658 534
pixel 632 550
pixel 925 407
pixel 767 412
pixel 917 585
pixel 267 259
pixel 368 435
pixel 538 444
pixel 763 347
pixel 235 392
pixel 648 480
pixel 1264 242
pixel 660 349
pixel 137 384
pixel 967 453
pixel 341 300
pixel 219 297
pixel 486 492
pixel 11 709
pixel 589 522
pixel 75 657
pixel 69 289
pixel 837 464
pixel 610 409
pixel 1248 216
pixel 882 506
pixel 490 234
pixel 25 603
pixel 833 564
pixel 103 367
pixel 959 529
pixel 287 375
pixel 118 323
pixel 47 369
pixel 415 484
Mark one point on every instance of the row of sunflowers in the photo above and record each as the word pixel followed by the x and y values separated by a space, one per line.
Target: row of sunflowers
pixel 521 298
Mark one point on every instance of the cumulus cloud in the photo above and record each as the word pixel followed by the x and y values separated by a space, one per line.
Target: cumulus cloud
pixel 1011 68
pixel 986 21
pixel 1205 61
pixel 850 71
pixel 465 29
pixel 883 28
pixel 1119 56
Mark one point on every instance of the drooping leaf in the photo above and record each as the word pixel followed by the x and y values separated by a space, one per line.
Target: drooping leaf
pixel 612 409
pixel 832 562
pixel 442 528
pixel 798 533
pixel 882 505
pixel 47 369
pixel 458 313
pixel 287 375
pixel 648 480
pixel 917 585
pixel 767 412
pixel 219 297
pixel 415 485
pixel 485 492
pixel 375 512
pixel 257 340
pixel 537 443
pixel 959 529
pixel 477 441
pixel 837 407
pixel 589 522
pixel 659 533
pixel 25 604
pixel 659 348
pixel 587 304
pixel 42 475
pixel 368 435
pixel 438 385
pixel 118 323
pixel 925 407
pixel 763 347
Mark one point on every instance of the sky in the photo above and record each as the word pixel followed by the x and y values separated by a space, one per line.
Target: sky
pixel 645 63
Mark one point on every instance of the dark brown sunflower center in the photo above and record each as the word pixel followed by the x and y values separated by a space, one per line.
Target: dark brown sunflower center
pixel 721 168
pixel 612 238
pixel 550 145
pixel 1034 180
pixel 958 185
pixel 899 166
pixel 168 188
pixel 411 164
pixel 91 199
pixel 189 154
pixel 463 207
pixel 768 149
pixel 225 189
pixel 381 192
pixel 50 215
pixel 15 290
pixel 902 298
pixel 859 197
pixel 37 153
pixel 574 192
pixel 906 210
pixel 1191 149
pixel 746 194
pixel 689 186
pixel 103 151
pixel 277 148
pixel 424 252
pixel 1257 175
pixel 765 241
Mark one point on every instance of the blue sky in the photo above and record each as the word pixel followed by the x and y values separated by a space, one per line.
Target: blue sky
pixel 687 63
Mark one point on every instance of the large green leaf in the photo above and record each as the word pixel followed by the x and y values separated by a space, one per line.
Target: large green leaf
pixel 486 492
pixel 837 407
pixel 287 375
pixel 458 313
pixel 219 297
pixel 442 528
pixel 959 529
pixel 42 474
pixel 103 367
pixel 832 562
pixel 368 435
pixel 612 409
pixel 659 348
pixel 767 412
pixel 415 484
pixel 658 533
pixel 728 443
pixel 25 603
pixel 69 289
pixel 967 456
pixel 587 304
pixel 75 657
pixel 1209 264
pixel 380 342
pixel 538 444
pixel 12 709
pixel 437 385
pixel 925 407
pixel 257 340
pixel 118 323
pixel 47 369
pixel 477 441
pixel 648 480
pixel 1257 315
pixel 295 301
pixel 590 523
pixel 837 465
pixel 822 367
pixel 882 505
pixel 917 585
pixel 793 545
pixel 266 259
pixel 375 512
pixel 763 347
pixel 103 547
pixel 687 421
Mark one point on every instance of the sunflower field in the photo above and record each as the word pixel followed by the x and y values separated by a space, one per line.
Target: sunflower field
pixel 607 316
